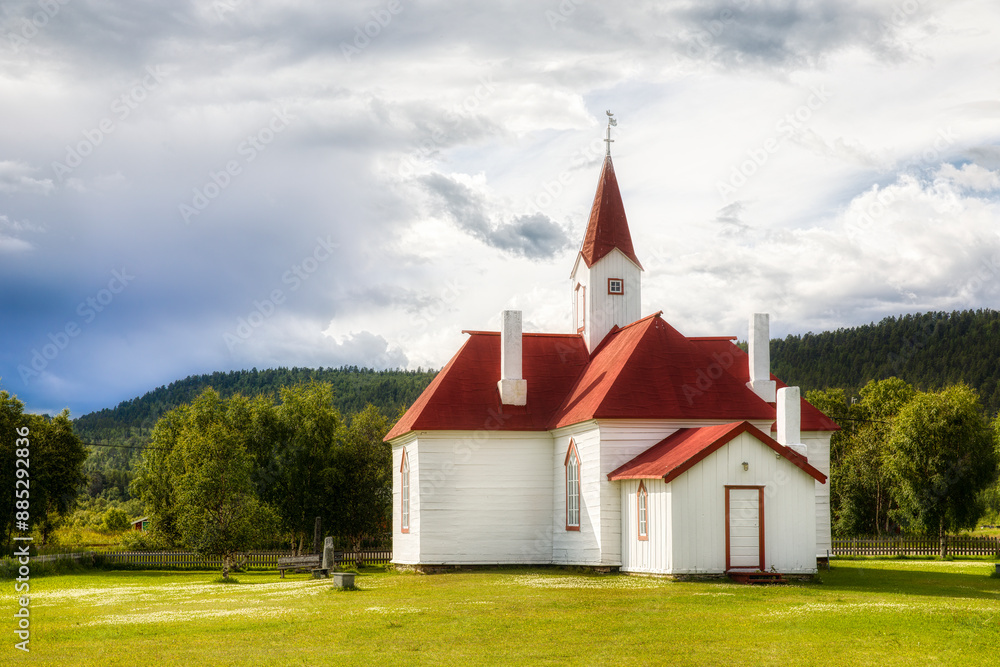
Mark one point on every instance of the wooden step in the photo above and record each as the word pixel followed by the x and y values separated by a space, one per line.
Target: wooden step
pixel 756 577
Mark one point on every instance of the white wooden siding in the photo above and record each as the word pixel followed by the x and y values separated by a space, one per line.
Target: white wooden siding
pixel 605 310
pixel 652 554
pixel 577 547
pixel 406 546
pixel 698 509
pixel 485 500
pixel 818 451
pixel 621 441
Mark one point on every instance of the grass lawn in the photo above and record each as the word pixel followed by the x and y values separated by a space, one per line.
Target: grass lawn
pixel 885 612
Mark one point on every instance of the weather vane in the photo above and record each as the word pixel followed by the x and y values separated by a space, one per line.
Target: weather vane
pixel 611 123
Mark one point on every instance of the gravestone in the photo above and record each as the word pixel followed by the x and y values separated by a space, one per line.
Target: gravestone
pixel 329 561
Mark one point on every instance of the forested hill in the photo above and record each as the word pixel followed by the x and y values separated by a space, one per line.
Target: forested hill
pixel 930 351
pixel 354 388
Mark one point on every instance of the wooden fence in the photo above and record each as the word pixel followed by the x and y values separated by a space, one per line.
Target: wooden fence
pixel 187 559
pixel 916 546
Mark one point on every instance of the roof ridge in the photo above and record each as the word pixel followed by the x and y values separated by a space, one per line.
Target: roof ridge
pixel 640 320
pixel 475 332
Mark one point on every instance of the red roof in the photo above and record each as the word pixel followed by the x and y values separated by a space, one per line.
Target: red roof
pixel 647 370
pixel 736 362
pixel 681 451
pixel 464 396
pixel 607 228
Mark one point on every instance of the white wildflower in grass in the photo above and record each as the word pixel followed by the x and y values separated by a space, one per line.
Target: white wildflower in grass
pixel 576 581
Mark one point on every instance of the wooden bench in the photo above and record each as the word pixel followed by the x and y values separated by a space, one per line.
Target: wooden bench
pixel 313 562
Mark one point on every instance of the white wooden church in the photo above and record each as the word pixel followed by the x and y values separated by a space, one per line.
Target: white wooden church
pixel 621 444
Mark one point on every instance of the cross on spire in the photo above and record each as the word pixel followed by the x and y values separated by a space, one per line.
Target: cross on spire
pixel 611 123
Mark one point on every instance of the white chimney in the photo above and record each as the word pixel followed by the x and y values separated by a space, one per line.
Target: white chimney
pixel 513 387
pixel 789 418
pixel 759 344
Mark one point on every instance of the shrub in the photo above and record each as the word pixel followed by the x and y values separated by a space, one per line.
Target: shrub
pixel 115 520
pixel 139 540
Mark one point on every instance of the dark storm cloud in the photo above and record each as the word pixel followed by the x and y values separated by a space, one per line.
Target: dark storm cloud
pixel 532 236
pixel 791 34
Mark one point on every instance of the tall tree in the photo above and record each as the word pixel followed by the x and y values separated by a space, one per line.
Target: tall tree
pixel 57 457
pixel 55 467
pixel 11 418
pixel 218 512
pixel 303 457
pixel 860 482
pixel 364 478
pixel 156 475
pixel 943 455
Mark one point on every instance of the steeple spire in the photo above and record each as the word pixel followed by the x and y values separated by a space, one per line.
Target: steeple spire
pixel 607 275
pixel 607 228
pixel 611 123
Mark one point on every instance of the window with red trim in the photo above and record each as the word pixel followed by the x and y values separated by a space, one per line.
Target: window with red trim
pixel 572 464
pixel 642 511
pixel 581 307
pixel 404 495
pixel 616 286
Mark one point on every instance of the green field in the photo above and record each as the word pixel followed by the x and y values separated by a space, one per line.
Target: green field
pixel 886 612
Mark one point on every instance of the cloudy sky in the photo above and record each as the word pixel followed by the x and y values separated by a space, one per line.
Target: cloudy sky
pixel 195 186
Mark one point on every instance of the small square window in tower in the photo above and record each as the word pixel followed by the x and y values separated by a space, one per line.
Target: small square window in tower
pixel 616 286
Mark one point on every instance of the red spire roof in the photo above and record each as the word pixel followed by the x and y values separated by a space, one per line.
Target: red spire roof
pixel 607 228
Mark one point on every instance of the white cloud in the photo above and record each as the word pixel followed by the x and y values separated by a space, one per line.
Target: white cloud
pixel 971 176
pixel 454 160
pixel 14 177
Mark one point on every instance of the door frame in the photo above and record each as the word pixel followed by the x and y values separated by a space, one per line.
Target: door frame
pixel 760 517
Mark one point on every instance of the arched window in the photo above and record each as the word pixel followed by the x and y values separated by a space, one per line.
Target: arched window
pixel 581 308
pixel 642 512
pixel 572 464
pixel 404 494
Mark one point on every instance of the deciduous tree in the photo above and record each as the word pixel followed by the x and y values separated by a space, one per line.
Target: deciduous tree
pixel 943 453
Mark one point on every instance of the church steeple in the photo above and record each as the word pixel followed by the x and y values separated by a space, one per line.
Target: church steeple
pixel 608 227
pixel 606 276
